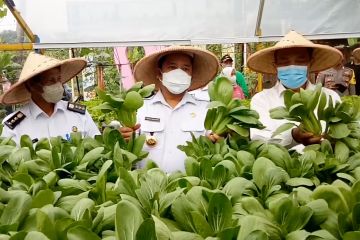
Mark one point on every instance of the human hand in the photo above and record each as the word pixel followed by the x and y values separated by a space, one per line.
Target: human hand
pixel 214 137
pixel 127 132
pixel 305 138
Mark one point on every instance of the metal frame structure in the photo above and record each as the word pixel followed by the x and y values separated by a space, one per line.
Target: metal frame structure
pixel 32 37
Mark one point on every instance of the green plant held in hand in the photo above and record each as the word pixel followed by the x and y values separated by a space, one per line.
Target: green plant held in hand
pixel 341 119
pixel 299 107
pixel 226 114
pixel 125 103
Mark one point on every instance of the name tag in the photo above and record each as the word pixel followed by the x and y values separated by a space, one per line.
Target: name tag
pixel 151 119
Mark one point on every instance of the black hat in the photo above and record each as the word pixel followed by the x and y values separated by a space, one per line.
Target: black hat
pixel 225 58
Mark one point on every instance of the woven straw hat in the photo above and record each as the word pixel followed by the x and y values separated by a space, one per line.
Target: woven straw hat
pixel 34 65
pixel 323 56
pixel 205 66
pixel 356 54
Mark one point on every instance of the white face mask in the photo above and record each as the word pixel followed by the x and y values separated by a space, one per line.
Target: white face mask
pixel 53 93
pixel 176 81
pixel 227 71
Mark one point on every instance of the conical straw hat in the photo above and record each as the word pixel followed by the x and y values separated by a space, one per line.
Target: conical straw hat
pixel 34 65
pixel 356 54
pixel 323 56
pixel 205 66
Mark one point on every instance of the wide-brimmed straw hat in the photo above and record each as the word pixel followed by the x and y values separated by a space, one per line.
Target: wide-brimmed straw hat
pixel 34 65
pixel 356 54
pixel 323 56
pixel 204 69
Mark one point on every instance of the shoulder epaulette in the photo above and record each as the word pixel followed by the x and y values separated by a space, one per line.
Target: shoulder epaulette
pixel 76 107
pixel 14 120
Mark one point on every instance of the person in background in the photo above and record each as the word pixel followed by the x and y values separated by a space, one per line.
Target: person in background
pixel 5 85
pixel 168 117
pixel 230 73
pixel 227 61
pixel 292 59
pixel 355 65
pixel 339 78
pixel 40 90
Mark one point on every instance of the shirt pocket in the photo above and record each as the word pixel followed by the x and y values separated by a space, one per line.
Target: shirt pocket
pixel 192 125
pixel 153 130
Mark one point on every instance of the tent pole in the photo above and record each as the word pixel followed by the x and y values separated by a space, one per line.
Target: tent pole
pixel 259 18
pixel 11 6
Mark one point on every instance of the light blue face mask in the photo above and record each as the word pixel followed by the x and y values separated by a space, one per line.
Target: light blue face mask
pixel 292 76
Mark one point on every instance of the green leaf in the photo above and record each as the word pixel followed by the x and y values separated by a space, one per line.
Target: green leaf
pixel 147 90
pixel 297 235
pixel 146 230
pixel 291 216
pixel 42 198
pixel 83 206
pixel 181 210
pixel 102 180
pixel 220 212
pixel 287 97
pixel 339 130
pixel 239 130
pixel 355 235
pixel 133 101
pixel 221 90
pixel 162 231
pixel 341 151
pixel 356 216
pixel 257 235
pixel 16 209
pixel 284 127
pixel 68 202
pixel 201 225
pixel 36 235
pixel 179 235
pixel 81 233
pixel 295 182
pixel 168 199
pixel 279 113
pixel 25 141
pixel 92 155
pixel 321 234
pixel 251 223
pixel 320 209
pixel 5 151
pixel 333 196
pixel 127 221
pixel 298 109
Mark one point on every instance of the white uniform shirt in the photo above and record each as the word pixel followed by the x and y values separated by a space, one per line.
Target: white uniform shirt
pixel 201 93
pixel 62 122
pixel 171 127
pixel 268 99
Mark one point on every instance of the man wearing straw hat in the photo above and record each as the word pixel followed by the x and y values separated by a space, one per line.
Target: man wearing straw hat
pixel 292 59
pixel 172 113
pixel 40 89
pixel 356 54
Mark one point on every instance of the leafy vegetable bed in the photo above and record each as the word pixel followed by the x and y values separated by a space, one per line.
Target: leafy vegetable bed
pixel 233 189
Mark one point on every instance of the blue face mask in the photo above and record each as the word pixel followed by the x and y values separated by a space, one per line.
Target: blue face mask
pixel 292 76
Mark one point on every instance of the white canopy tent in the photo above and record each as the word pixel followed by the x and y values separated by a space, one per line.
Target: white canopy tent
pixel 100 23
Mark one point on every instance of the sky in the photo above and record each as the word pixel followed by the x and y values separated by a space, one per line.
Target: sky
pixel 8 22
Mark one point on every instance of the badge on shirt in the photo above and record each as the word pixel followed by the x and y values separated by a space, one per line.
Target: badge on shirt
pixel 15 120
pixel 151 140
pixel 152 119
pixel 74 129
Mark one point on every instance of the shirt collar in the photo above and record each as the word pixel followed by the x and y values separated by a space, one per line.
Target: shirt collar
pixel 36 111
pixel 187 98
